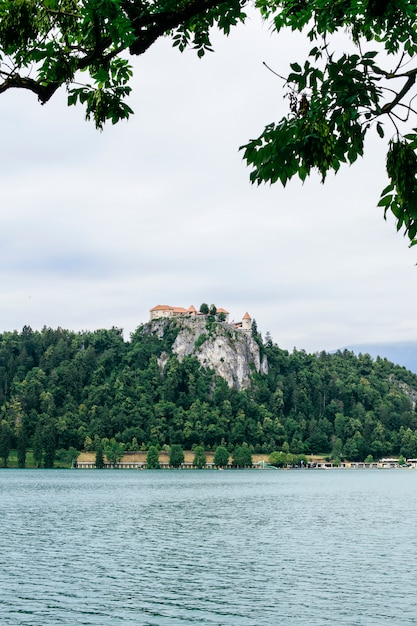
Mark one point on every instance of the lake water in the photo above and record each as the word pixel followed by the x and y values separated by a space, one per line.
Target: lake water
pixel 244 548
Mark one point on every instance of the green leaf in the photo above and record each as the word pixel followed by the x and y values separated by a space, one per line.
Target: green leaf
pixel 387 189
pixel 385 201
pixel 412 231
pixel 397 210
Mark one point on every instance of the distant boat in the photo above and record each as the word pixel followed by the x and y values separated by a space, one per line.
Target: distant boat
pixel 265 465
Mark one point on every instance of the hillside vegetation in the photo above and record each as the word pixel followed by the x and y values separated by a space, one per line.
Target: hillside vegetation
pixel 62 391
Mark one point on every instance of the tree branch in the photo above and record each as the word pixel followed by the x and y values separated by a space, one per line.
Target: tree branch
pixel 44 92
pixel 387 108
pixel 156 25
pixel 148 28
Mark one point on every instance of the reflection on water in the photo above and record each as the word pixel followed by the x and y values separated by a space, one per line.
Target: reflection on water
pixel 204 547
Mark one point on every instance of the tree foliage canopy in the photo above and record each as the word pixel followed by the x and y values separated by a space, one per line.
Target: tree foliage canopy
pixel 199 457
pixel 45 44
pixel 334 99
pixel 176 455
pixel 60 389
pixel 221 456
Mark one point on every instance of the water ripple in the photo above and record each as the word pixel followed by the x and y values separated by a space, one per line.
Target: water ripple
pixel 212 548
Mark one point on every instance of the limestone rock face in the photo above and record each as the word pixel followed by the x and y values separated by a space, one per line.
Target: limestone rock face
pixel 232 353
pixel 407 390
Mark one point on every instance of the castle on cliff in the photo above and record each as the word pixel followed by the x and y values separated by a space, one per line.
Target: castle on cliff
pixel 167 311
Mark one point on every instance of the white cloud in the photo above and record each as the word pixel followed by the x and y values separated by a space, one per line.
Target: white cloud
pixel 96 228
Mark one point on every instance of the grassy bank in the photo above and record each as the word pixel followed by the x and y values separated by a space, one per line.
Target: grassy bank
pixel 30 462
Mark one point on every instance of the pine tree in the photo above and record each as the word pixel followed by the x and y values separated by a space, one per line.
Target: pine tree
pixel 176 455
pixel 49 443
pixel 99 456
pixel 221 456
pixel 152 458
pixel 38 444
pixel 22 441
pixel 5 441
pixel 199 457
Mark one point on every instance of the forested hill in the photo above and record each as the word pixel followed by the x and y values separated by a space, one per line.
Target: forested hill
pixel 61 390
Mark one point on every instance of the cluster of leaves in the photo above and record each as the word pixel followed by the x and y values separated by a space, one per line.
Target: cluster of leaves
pixel 335 101
pixel 287 459
pixel 45 44
pixel 242 456
pixel 323 132
pixel 400 196
pixel 60 390
pixel 105 98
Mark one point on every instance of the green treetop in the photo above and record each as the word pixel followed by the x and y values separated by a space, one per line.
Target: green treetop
pixel 199 457
pixel 99 461
pixel 176 455
pixel 221 457
pixel 152 458
pixel 242 456
pixel 114 451
pixel 5 441
pixel 339 405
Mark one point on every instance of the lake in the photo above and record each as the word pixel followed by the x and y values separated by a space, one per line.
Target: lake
pixel 244 548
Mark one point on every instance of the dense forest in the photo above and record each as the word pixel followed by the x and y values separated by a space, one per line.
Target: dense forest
pixel 62 391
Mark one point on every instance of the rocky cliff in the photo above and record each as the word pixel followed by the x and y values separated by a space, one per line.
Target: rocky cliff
pixel 233 354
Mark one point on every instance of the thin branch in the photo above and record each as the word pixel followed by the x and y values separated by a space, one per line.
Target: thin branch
pixel 398 117
pixel 387 108
pixel 393 122
pixel 63 13
pixel 413 98
pixel 399 63
pixel 274 72
pixel 409 109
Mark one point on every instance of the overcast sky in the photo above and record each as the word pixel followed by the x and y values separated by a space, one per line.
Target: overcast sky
pixel 97 228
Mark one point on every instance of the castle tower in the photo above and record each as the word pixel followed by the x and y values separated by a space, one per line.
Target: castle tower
pixel 246 322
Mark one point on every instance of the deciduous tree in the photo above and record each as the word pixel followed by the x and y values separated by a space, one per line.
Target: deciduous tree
pixel 341 93
pixel 343 90
pixel 37 444
pixel 176 455
pixel 46 44
pixel 152 458
pixel 114 451
pixel 221 457
pixel 49 443
pixel 242 456
pixel 5 441
pixel 99 462
pixel 199 457
pixel 21 443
